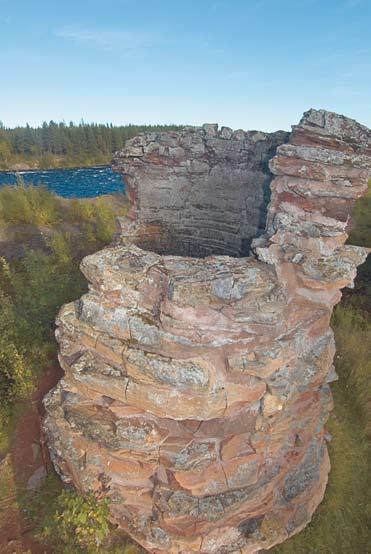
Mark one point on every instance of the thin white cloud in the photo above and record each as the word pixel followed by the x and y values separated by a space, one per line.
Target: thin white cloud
pixel 105 38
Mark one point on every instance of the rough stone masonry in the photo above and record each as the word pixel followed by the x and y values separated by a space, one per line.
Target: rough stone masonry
pixel 196 384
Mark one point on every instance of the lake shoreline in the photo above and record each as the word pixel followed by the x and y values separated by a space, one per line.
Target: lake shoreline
pixel 27 169
pixel 79 182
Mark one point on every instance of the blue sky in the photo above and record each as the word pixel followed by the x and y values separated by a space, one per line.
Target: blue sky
pixel 252 64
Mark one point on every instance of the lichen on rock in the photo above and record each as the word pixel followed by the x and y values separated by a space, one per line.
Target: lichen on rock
pixel 196 383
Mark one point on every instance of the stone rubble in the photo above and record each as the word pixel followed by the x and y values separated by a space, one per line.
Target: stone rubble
pixel 196 388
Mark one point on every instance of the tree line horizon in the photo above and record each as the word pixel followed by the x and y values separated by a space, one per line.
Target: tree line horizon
pixel 61 144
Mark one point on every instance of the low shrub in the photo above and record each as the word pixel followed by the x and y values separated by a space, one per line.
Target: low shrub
pixel 68 523
pixel 29 204
pixel 35 286
pixel 15 375
pixel 78 524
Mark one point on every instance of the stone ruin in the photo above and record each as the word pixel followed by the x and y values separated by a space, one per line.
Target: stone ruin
pixel 197 371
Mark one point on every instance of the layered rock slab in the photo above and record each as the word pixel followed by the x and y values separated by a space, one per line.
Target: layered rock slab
pixel 199 191
pixel 196 390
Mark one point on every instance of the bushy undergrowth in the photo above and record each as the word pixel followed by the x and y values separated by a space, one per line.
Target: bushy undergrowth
pixel 352 325
pixel 68 523
pixel 78 524
pixel 35 205
pixel 34 286
pixel 31 291
pixel 15 375
pixel 28 204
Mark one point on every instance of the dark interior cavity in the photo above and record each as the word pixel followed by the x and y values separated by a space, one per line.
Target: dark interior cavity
pixel 200 193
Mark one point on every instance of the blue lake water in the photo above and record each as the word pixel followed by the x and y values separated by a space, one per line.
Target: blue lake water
pixel 70 183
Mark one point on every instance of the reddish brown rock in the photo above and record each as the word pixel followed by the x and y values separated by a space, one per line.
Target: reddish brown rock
pixel 196 390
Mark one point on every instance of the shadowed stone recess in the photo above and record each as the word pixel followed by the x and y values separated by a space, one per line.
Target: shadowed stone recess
pixel 196 389
pixel 199 191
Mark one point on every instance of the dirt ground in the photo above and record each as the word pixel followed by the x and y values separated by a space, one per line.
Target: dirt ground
pixel 27 455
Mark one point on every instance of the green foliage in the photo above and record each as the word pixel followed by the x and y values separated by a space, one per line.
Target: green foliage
pixel 79 524
pixel 68 523
pixel 352 323
pixel 340 524
pixel 40 504
pixel 31 292
pixel 35 286
pixel 5 154
pixel 23 204
pixel 60 145
pixel 15 376
pixel 35 205
pixel 41 283
pixel 361 221
pixel 96 218
pixel 353 363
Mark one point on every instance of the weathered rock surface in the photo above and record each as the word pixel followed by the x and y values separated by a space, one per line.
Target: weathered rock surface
pixel 196 390
pixel 199 191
